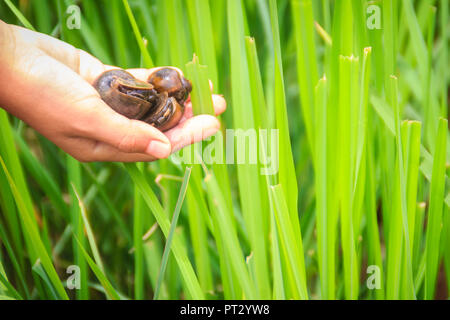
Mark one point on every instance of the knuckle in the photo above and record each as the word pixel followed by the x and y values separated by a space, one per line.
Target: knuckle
pixel 86 120
pixel 83 158
pixel 129 141
pixel 79 128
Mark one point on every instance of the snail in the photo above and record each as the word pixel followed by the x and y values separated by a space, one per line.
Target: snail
pixel 159 101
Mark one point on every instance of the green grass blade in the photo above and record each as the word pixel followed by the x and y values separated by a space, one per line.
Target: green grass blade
pixel 32 230
pixel 348 83
pixel 286 161
pixel 435 209
pixel 177 249
pixel 244 121
pixel 201 94
pixel 19 15
pixel 203 37
pixel 89 232
pixel 109 290
pixel 291 247
pixel 148 62
pixel 7 285
pixel 325 225
pixel 306 61
pixel 173 225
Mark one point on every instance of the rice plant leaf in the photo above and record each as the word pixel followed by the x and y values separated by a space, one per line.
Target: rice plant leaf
pixel 244 122
pixel 292 248
pixel 42 176
pixel 435 210
pixel 178 251
pixel 306 61
pixel 31 229
pixel 177 32
pixel 199 220
pixel 286 161
pixel 19 15
pixel 148 62
pixel 400 201
pixel 109 290
pixel 348 68
pixel 418 42
pixel 201 94
pixel 9 288
pixel 224 226
pixel 386 114
pixel 203 36
pixel 89 232
pixel 37 268
pixel 325 225
pixel 173 225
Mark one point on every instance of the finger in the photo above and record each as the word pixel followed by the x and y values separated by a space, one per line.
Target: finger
pixel 219 104
pixel 88 150
pixel 130 136
pixel 192 130
pixel 106 153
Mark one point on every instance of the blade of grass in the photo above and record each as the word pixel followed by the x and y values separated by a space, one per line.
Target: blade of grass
pixel 74 178
pixel 33 232
pixel 7 285
pixel 37 268
pixel 177 33
pixel 400 204
pixel 374 255
pixel 418 235
pixel 110 292
pixel 198 215
pixel 15 262
pixel 19 15
pixel 42 176
pixel 148 62
pixel 89 232
pixel 177 249
pixel 153 254
pixel 291 247
pixel 348 82
pixel 203 37
pixel 325 226
pixel 244 121
pixel 201 94
pixel 286 161
pixel 306 61
pixel 435 209
pixel 223 224
pixel 138 230
pixel 173 225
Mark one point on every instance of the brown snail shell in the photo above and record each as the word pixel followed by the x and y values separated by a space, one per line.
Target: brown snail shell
pixel 159 102
pixel 168 80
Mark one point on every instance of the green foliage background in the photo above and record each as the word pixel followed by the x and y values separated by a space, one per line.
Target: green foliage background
pixel 363 158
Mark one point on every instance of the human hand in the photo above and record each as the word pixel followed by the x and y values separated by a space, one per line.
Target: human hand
pixel 47 83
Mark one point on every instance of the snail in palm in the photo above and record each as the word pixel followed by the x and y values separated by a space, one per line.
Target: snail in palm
pixel 159 101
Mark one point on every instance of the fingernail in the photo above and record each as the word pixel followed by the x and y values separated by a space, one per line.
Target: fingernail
pixel 158 149
pixel 210 131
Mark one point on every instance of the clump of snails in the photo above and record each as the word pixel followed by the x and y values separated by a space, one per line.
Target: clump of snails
pixel 159 101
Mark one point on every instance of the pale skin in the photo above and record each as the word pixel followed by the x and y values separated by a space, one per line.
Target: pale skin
pixel 47 83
